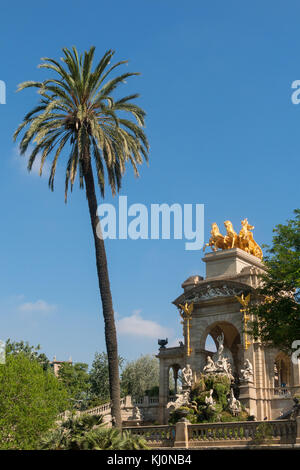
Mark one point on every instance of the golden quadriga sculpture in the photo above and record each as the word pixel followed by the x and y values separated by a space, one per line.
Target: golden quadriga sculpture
pixel 244 240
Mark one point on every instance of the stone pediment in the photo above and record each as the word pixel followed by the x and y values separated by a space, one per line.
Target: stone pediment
pixel 212 290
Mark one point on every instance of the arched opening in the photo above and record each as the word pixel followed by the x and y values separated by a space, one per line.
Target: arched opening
pixel 210 344
pixel 232 342
pixel 175 381
pixel 282 372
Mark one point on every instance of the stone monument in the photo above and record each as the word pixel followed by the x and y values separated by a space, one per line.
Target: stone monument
pixel 217 305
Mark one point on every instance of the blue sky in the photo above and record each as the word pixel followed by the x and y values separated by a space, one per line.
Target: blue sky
pixel 216 85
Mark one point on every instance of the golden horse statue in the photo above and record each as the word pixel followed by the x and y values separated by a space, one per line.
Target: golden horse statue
pixel 244 240
pixel 217 240
pixel 231 238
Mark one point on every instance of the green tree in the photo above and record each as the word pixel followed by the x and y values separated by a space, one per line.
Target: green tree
pixel 99 378
pixel 140 375
pixel 277 316
pixel 75 378
pixel 77 110
pixel 30 400
pixel 32 352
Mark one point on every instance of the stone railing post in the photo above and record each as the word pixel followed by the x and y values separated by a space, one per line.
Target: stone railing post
pixel 181 434
pixel 298 430
pixel 128 401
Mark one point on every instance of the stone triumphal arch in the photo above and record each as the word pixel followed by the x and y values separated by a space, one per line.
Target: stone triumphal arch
pixel 217 306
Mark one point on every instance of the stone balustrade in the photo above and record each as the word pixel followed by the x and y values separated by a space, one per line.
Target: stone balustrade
pixel 156 436
pixel 147 405
pixel 186 435
pixel 103 409
pixel 284 391
pixel 205 435
pixel 240 433
pixel 234 434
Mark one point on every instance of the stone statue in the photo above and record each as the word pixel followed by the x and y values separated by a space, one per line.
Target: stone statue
pixel 247 372
pixel 292 413
pixel 276 375
pixel 182 399
pixel 187 375
pixel 234 405
pixel 209 400
pixel 296 409
pixel 136 414
pixel 222 364
pixel 220 340
pixel 210 367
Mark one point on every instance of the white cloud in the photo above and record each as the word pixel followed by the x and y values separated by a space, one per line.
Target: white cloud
pixel 22 160
pixel 38 306
pixel 135 325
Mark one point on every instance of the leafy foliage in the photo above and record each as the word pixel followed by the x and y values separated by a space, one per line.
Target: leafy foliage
pixel 199 412
pixel 140 375
pixel 78 113
pixel 68 434
pixel 87 432
pixel 111 439
pixel 76 380
pixel 277 317
pixel 32 352
pixel 77 108
pixel 189 414
pixel 30 400
pixel 99 379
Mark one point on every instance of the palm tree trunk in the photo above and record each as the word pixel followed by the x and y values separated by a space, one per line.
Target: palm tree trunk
pixel 105 292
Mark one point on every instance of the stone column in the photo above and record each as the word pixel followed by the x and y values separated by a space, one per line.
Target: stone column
pixel 298 430
pixel 248 390
pixel 128 401
pixel 163 390
pixel 181 436
pixel 296 377
pixel 248 397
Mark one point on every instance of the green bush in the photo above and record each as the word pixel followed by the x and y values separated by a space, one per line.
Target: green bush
pixel 111 439
pixel 87 432
pixel 154 391
pixel 68 434
pixel 31 398
pixel 227 417
pixel 221 391
pixel 197 388
pixel 211 380
pixel 200 400
pixel 176 415
pixel 220 384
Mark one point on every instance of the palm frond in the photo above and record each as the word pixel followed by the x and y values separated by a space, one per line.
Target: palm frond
pixel 77 110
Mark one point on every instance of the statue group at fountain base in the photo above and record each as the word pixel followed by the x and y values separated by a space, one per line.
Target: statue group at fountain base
pixel 220 367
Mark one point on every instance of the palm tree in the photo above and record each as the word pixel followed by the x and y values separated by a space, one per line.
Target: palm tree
pixel 76 110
